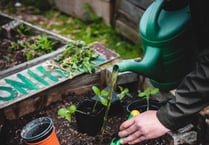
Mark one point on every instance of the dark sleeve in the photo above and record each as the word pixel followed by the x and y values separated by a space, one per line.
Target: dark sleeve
pixel 200 21
pixel 191 96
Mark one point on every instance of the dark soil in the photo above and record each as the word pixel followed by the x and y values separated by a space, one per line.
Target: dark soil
pixel 13 53
pixel 67 131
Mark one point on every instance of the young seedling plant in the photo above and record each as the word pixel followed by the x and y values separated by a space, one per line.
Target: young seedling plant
pixel 68 112
pixel 147 93
pixel 105 99
pixel 102 96
pixel 123 93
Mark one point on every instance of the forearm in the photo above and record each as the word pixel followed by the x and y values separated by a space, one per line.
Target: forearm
pixel 191 96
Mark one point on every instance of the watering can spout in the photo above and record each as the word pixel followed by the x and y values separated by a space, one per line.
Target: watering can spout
pixel 148 66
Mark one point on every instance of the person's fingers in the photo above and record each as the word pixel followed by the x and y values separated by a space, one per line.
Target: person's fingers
pixel 126 124
pixel 126 132
pixel 131 138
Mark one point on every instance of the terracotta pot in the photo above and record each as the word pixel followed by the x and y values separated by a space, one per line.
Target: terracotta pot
pixel 141 105
pixel 40 132
pixel 89 122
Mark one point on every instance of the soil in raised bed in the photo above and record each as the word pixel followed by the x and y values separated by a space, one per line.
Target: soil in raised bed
pixel 13 50
pixel 67 131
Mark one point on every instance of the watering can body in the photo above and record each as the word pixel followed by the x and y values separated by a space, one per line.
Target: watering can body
pixel 168 46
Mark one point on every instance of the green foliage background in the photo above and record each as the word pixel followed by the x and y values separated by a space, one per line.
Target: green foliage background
pixel 91 30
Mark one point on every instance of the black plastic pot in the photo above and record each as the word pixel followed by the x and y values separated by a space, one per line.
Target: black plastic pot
pixel 141 105
pixel 116 107
pixel 89 122
pixel 40 132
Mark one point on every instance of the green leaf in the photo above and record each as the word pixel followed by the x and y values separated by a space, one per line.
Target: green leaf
pixel 142 94
pixel 68 117
pixel 121 88
pixel 62 112
pixel 72 109
pixel 29 55
pixel 154 91
pixel 104 93
pixel 96 91
pixel 103 101
pixel 129 95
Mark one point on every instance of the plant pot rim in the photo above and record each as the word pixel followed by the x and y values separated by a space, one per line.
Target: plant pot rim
pixel 34 124
pixel 87 100
pixel 143 102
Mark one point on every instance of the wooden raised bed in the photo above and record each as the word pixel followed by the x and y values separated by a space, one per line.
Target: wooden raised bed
pixel 16 60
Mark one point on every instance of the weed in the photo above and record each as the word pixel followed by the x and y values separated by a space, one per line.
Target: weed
pixel 41 45
pixel 22 29
pixel 77 57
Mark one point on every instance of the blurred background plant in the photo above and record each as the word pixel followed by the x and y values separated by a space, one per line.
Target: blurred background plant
pixel 45 15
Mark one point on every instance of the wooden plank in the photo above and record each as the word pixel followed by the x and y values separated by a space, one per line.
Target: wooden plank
pixel 131 11
pixel 78 85
pixel 128 14
pixel 127 31
pixel 76 8
pixel 142 4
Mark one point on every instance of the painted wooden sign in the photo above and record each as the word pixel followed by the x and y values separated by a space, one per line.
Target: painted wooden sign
pixel 40 77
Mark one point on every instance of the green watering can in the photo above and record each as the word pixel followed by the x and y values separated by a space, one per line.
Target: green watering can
pixel 168 44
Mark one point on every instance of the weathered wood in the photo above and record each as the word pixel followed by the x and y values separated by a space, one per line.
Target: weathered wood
pixel 78 85
pixel 76 8
pixel 127 17
pixel 4 19
pixel 123 77
pixel 127 31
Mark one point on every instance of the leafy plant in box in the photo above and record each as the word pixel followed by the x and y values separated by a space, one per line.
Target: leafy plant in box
pixel 37 46
pixel 77 57
pixel 22 29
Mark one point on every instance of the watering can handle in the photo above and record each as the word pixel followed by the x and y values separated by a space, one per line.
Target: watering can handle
pixel 153 25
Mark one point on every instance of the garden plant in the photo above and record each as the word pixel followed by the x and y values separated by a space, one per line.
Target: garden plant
pixel 77 57
pixel 102 96
pixel 147 93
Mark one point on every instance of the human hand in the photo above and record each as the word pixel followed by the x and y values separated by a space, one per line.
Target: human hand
pixel 141 127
